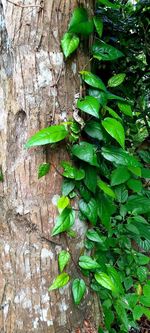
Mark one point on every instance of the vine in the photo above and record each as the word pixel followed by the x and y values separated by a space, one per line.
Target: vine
pixel 108 168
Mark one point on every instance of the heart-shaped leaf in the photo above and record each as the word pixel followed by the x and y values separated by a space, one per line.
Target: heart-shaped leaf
pixel 89 105
pixel 69 43
pixel 88 263
pixel 64 221
pixel 98 25
pixel 115 129
pixel 103 51
pixel 86 152
pixel 93 80
pixel 89 210
pixel 63 258
pixel 43 169
pixel 78 290
pixel 60 281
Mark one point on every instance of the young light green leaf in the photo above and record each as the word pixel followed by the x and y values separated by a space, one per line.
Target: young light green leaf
pixel 93 80
pixel 88 263
pixel 105 188
pixel 64 221
pixel 104 280
pixel 60 281
pixel 95 130
pixel 85 152
pixel 62 203
pixel 116 80
pixel 119 176
pixel 98 25
pixel 89 105
pixel 119 156
pixel 47 135
pixel 69 43
pixel 125 108
pixel 115 129
pixel 89 210
pixel 115 277
pixel 63 259
pixel 103 51
pixel 78 290
pixel 43 169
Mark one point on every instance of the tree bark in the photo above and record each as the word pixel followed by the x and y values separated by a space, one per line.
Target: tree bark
pixel 37 89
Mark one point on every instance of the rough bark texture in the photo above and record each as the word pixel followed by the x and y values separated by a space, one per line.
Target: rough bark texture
pixel 37 89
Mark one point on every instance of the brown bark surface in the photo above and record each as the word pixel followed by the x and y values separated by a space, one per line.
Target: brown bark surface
pixel 37 89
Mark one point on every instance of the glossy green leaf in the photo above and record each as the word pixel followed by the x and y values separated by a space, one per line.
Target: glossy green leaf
pixel 79 22
pixel 84 192
pixel 89 105
pixel 113 113
pixel 95 130
pixel 115 277
pixel 90 179
pixel 100 95
pixel 104 280
pixel 98 25
pixel 62 203
pixel 60 281
pixel 135 185
pixel 43 169
pixel 67 186
pixel 94 236
pixel 63 259
pixel 135 170
pixel 122 314
pixel 85 152
pixel 119 176
pixel 138 312
pixel 115 129
pixel 142 259
pixel 142 273
pixel 88 263
pixel 72 172
pixel 78 290
pixel 89 210
pixel 111 96
pixel 64 221
pixel 69 43
pixel 105 188
pixel 125 108
pixel 145 300
pixel 93 80
pixel 47 135
pixel 119 156
pixel 103 51
pixel 109 4
pixel 105 209
pixel 121 193
pixel 137 204
pixel 116 80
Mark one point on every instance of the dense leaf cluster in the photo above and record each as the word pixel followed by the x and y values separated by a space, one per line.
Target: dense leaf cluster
pixel 109 168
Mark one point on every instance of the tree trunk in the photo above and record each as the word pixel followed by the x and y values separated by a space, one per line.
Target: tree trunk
pixel 37 89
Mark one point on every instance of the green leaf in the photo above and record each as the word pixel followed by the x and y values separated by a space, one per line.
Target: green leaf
pixel 100 95
pixel 69 43
pixel 1 175
pixel 90 179
pixel 104 280
pixel 43 169
pixel 94 236
pixel 135 185
pixel 89 105
pixel 67 186
pixel 142 259
pixel 115 129
pixel 122 314
pixel 60 281
pixel 114 97
pixel 64 221
pixel 78 290
pixel 85 152
pixel 138 312
pixel 121 193
pixel 103 51
pixel 105 209
pixel 119 176
pixel 105 188
pixel 145 300
pixel 93 80
pixel 113 113
pixel 145 173
pixel 142 273
pixel 109 4
pixel 116 80
pixel 125 108
pixel 89 210
pixel 128 282
pixel 119 156
pixel 144 155
pixel 137 204
pixel 62 203
pixel 47 135
pixel 115 277
pixel 135 170
pixel 79 22
pixel 88 263
pixel 98 25
pixel 63 258
pixel 72 172
pixel 95 130
pixel 84 192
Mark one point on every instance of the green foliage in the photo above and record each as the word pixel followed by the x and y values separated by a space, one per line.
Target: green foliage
pixel 43 169
pixel 111 182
